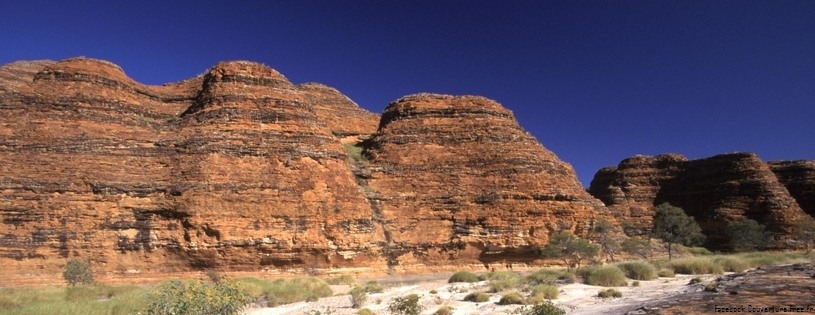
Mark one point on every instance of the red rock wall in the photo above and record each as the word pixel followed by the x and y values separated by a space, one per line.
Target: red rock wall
pixel 714 190
pixel 456 179
pixel 799 178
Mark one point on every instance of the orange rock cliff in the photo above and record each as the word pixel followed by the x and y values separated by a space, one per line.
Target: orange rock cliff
pixel 238 169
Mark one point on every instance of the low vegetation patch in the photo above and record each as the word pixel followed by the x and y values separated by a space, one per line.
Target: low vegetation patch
pixel 477 297
pixel 358 296
pixel 543 308
pixel 638 270
pixel 365 311
pixel 501 280
pixel 444 310
pixel 549 276
pixel 281 292
pixel 731 263
pixel 374 287
pixel 542 292
pixel 666 273
pixel 342 280
pixel 463 276
pixel 103 300
pixel 405 305
pixel 511 298
pixel 609 293
pixel 698 251
pixel 695 280
pixel 607 276
pixel 695 266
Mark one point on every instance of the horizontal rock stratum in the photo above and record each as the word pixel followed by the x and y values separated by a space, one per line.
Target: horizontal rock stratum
pixel 715 191
pixel 239 169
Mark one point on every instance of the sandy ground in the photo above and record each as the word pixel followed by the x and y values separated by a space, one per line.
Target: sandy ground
pixel 574 298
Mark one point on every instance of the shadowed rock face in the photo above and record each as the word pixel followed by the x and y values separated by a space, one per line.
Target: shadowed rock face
pixel 715 191
pixel 799 178
pixel 239 169
pixel 456 178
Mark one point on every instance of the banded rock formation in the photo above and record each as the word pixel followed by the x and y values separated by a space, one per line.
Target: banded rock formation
pixel 714 190
pixel 239 169
pixel 459 179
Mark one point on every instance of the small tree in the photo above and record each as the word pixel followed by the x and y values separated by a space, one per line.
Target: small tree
pixel 78 272
pixel 746 235
pixel 673 226
pixel 636 245
pixel 604 231
pixel 405 305
pixel 572 250
pixel 358 296
pixel 804 232
pixel 196 297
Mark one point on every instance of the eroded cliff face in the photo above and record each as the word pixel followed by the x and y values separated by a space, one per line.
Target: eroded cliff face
pixel 239 169
pixel 230 169
pixel 715 191
pixel 799 178
pixel 457 179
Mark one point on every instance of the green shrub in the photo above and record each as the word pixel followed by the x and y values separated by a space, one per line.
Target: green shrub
pixel 284 292
pixel 433 292
pixel 78 272
pixel 732 264
pixel 342 280
pixel 549 276
pixel 358 296
pixel 502 280
pixel 638 270
pixel 314 285
pixel 405 305
pixel 543 308
pixel 711 287
pixel 609 293
pixel 196 297
pixel 542 292
pixel 635 284
pixel 444 310
pixel 477 297
pixel 695 266
pixel 607 276
pixel 695 280
pixel 463 276
pixel 511 298
pixel 365 311
pixel 666 273
pixel 374 287
pixel 699 251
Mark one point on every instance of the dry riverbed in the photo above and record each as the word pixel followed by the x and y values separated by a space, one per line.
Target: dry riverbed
pixel 575 298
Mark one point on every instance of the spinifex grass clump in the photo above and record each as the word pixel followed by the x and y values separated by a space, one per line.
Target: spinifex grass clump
pixel 343 279
pixel 731 263
pixel 549 276
pixel 608 293
pixel 638 270
pixel 477 297
pixel 543 292
pixel 607 276
pixel 280 291
pixel 314 285
pixel 501 280
pixel 695 266
pixel 511 298
pixel 463 276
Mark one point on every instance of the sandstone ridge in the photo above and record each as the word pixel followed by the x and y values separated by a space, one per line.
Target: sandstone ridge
pixel 715 190
pixel 239 169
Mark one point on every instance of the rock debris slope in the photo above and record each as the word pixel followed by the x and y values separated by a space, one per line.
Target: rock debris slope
pixel 714 190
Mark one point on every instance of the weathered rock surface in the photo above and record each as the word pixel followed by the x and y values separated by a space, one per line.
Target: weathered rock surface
pixel 239 169
pixel 457 179
pixel 799 178
pixel 229 169
pixel 714 190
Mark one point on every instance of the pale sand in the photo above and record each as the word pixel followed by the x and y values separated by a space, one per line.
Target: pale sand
pixel 574 298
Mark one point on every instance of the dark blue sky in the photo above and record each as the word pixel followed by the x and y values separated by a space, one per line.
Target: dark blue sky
pixel 594 81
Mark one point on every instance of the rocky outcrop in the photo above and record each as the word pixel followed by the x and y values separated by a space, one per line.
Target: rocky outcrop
pixel 799 178
pixel 455 178
pixel 715 191
pixel 232 169
pixel 239 169
pixel 343 116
